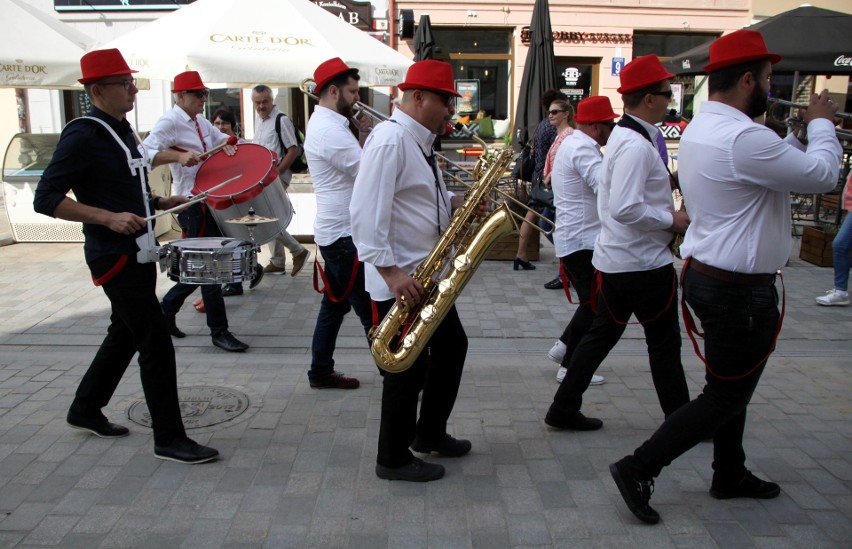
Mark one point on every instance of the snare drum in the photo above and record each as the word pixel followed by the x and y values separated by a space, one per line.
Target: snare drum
pixel 210 260
pixel 257 188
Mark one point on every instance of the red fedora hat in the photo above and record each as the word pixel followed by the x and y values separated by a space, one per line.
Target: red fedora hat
pixel 328 71
pixel 738 47
pixel 99 64
pixel 642 72
pixel 188 81
pixel 594 109
pixel 430 75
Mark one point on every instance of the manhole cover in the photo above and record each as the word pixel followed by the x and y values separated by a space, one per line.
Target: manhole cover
pixel 201 407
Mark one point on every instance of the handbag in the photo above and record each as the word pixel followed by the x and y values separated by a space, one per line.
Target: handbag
pixel 525 163
pixel 542 195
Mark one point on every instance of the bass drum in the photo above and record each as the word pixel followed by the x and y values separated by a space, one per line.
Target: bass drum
pixel 257 188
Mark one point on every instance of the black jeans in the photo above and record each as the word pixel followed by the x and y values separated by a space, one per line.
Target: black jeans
pixel 197 222
pixel 339 262
pixel 437 372
pixel 580 271
pixel 739 324
pixel 136 324
pixel 652 297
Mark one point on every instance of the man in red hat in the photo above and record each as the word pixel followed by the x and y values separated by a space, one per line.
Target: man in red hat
pixel 333 154
pixel 632 252
pixel 574 179
pixel 179 138
pixel 399 209
pixel 98 158
pixel 274 130
pixel 736 177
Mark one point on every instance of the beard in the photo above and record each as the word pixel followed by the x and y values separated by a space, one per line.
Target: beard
pixel 344 108
pixel 757 103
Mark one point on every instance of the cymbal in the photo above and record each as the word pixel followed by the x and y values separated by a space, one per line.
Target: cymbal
pixel 251 220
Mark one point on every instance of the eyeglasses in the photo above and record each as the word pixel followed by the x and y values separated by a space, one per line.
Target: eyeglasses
pixel 554 112
pixel 446 99
pixel 667 94
pixel 198 93
pixel 124 83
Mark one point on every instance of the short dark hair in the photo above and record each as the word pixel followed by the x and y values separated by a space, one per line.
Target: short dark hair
pixel 726 78
pixel 341 80
pixel 634 99
pixel 262 88
pixel 226 116
pixel 550 96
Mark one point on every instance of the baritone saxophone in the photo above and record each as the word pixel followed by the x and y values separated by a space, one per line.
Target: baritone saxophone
pixel 404 332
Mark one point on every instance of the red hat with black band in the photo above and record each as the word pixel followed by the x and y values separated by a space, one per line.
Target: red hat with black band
pixel 430 75
pixel 641 73
pixel 738 47
pixel 594 109
pixel 328 71
pixel 99 64
pixel 188 81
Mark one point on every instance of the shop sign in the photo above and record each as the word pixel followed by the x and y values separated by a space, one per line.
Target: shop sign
pixel 357 14
pixel 573 37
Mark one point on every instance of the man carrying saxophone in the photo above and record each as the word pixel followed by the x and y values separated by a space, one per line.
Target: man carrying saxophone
pixel 399 209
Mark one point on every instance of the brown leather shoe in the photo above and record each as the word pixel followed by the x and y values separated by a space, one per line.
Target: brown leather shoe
pixel 274 269
pixel 299 261
pixel 336 381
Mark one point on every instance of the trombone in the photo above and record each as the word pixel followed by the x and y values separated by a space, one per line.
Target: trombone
pixel 306 88
pixel 798 125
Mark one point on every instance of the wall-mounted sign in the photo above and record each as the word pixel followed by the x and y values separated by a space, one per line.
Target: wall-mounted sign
pixel 617 65
pixel 582 37
pixel 118 5
pixel 357 14
pixel 468 103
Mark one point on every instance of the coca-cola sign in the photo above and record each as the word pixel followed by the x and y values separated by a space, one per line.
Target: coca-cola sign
pixel 843 61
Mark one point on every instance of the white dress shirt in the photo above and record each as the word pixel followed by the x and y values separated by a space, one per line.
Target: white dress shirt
pixel 574 179
pixel 397 207
pixel 333 155
pixel 634 204
pixel 264 134
pixel 736 178
pixel 177 129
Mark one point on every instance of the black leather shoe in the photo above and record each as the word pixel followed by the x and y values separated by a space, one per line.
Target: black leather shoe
pixel 226 340
pixel 185 450
pixel 635 492
pixel 519 264
pixel 555 284
pixel 415 470
pixel 171 326
pixel 446 447
pixel 230 290
pixel 98 427
pixel 577 422
pixel 749 486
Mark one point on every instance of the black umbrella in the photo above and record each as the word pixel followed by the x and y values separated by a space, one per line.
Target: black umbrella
pixel 809 40
pixel 539 73
pixel 424 41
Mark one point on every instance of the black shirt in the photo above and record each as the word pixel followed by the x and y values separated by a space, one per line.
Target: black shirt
pixel 90 162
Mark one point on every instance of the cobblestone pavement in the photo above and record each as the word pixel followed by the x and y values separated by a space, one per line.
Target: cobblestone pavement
pixel 297 465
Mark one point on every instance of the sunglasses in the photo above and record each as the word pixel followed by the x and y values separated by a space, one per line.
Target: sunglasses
pixel 198 93
pixel 554 112
pixel 124 83
pixel 667 94
pixel 446 99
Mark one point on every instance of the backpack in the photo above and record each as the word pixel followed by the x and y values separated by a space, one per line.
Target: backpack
pixel 300 164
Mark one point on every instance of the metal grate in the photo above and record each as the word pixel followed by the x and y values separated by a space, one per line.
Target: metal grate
pixel 48 232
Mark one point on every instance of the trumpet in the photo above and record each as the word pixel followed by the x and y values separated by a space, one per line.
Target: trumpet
pixel 797 124
pixel 306 87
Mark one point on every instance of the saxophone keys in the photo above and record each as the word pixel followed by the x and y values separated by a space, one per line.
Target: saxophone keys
pixel 446 287
pixel 428 313
pixel 462 262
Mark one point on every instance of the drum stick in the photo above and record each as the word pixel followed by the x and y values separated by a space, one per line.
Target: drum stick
pixel 197 198
pixel 231 141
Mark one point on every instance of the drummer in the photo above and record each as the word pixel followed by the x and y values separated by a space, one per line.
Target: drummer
pixel 180 138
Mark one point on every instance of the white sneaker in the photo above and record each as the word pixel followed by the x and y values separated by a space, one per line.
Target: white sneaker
pixel 557 353
pixel 832 297
pixel 596 379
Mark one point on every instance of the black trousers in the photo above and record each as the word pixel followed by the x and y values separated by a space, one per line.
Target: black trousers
pixel 437 372
pixel 136 325
pixel 739 325
pixel 652 297
pixel 580 271
pixel 197 222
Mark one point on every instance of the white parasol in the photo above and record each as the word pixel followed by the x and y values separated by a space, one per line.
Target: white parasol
pixel 247 42
pixel 37 50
